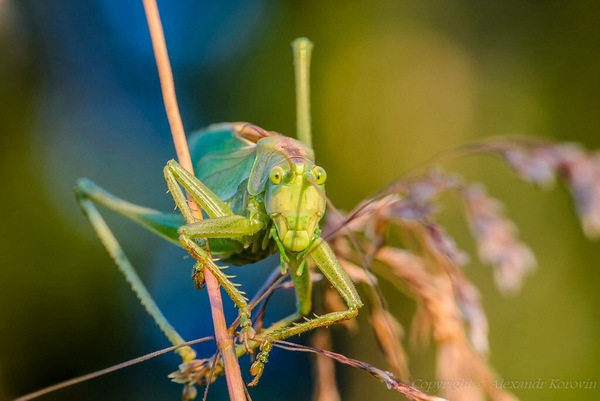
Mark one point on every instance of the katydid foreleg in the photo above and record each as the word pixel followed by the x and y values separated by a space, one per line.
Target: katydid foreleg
pixel 223 223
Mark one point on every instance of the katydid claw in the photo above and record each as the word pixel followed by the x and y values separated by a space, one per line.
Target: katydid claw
pixel 256 370
pixel 198 276
pixel 258 366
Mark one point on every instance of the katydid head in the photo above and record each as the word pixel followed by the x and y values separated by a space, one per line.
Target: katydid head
pixel 295 200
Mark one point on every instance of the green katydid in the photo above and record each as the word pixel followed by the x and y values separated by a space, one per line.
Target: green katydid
pixel 262 193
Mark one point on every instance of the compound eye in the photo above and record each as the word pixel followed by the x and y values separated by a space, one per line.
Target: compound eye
pixel 276 175
pixel 320 175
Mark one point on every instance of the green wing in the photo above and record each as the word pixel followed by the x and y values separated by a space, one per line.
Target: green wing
pixel 227 154
pixel 222 158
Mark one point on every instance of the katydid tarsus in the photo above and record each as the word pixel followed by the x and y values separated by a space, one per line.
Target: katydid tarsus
pixel 262 193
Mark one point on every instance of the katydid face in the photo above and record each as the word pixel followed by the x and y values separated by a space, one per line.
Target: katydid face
pixel 295 200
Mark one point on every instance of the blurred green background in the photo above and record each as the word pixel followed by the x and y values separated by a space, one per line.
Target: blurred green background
pixel 394 83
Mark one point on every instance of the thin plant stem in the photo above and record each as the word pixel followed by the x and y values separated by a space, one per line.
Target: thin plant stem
pixel 114 368
pixel 233 374
pixel 302 52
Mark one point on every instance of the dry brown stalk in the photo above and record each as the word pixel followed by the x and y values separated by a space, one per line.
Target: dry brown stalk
pixel 325 387
pixel 233 375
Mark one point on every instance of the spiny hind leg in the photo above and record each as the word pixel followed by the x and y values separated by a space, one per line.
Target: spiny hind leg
pixel 88 195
